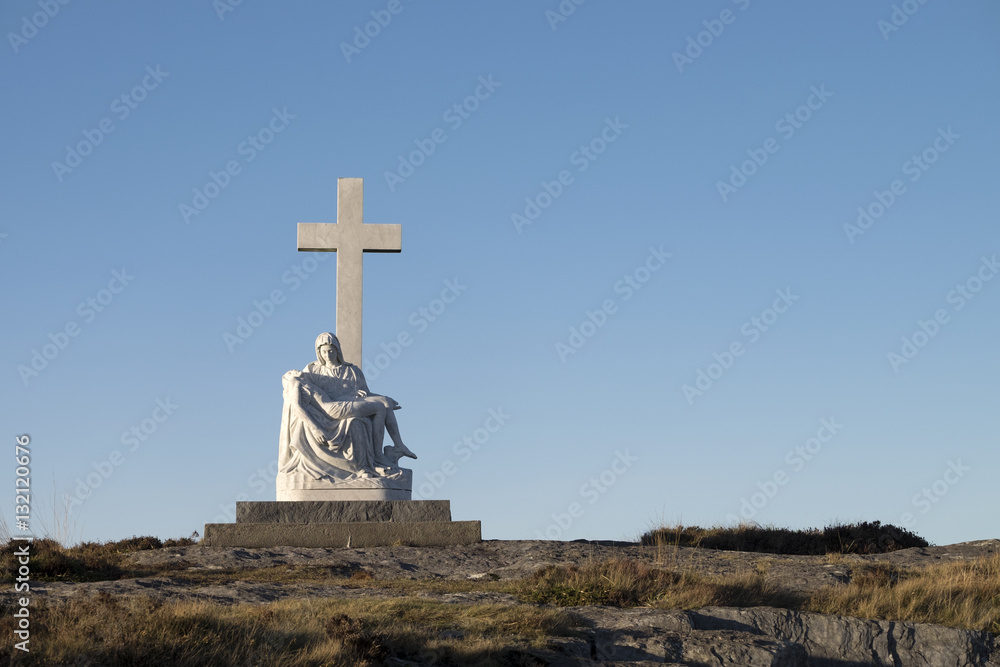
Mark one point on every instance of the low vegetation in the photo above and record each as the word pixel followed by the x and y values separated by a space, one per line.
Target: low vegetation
pixel 89 561
pixel 630 583
pixel 868 537
pixel 961 594
pixel 399 618
pixel 291 633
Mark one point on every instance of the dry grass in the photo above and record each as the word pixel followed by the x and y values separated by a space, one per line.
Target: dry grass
pixel 139 631
pixel 629 583
pixel 963 594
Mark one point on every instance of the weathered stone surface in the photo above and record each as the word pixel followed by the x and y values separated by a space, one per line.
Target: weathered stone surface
pixel 335 535
pixel 836 640
pixel 640 636
pixel 341 512
pixel 513 559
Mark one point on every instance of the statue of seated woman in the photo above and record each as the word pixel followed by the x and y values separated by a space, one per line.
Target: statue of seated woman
pixel 332 426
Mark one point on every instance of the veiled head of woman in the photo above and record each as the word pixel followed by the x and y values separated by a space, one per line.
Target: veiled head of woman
pixel 328 350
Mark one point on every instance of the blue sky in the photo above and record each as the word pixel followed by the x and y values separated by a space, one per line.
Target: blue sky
pixel 626 195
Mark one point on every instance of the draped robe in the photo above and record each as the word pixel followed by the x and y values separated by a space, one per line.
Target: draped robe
pixel 322 434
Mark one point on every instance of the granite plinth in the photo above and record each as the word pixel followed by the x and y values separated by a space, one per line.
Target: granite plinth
pixel 340 512
pixel 338 524
pixel 360 534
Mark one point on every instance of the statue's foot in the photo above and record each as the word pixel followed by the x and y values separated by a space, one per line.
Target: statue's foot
pixel 393 453
pixel 405 451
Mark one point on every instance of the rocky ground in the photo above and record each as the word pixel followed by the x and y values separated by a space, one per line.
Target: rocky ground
pixel 717 636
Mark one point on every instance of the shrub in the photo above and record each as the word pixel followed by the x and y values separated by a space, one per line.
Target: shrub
pixel 87 561
pixel 868 537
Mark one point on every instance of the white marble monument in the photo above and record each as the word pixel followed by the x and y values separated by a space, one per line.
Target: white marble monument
pixel 338 486
pixel 332 425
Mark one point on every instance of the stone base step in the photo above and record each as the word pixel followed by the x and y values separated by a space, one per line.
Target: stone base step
pixel 338 535
pixel 334 511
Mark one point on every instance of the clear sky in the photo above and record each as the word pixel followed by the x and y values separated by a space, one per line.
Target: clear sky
pixel 701 260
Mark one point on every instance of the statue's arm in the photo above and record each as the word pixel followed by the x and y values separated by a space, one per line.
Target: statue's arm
pixel 390 403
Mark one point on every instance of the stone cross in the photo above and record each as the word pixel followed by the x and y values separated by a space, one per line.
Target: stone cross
pixel 349 238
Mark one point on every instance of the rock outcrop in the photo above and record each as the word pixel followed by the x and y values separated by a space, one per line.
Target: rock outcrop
pixel 759 636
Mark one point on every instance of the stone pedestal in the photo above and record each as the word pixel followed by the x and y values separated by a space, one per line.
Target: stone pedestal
pixel 332 524
pixel 299 487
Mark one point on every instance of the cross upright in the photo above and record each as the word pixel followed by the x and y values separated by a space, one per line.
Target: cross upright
pixel 350 238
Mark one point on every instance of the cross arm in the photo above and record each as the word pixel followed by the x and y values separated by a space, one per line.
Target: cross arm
pixel 328 237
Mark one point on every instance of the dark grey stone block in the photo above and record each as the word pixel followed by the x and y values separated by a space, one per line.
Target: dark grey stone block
pixel 342 511
pixel 338 535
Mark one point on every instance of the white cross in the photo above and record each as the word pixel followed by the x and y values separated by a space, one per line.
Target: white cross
pixel 349 238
